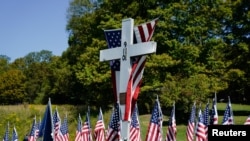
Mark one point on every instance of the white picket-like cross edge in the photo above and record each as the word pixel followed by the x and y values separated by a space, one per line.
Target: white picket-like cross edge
pixel 124 53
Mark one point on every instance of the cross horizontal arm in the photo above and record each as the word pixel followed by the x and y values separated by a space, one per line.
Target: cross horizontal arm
pixel 110 54
pixel 132 50
pixel 142 49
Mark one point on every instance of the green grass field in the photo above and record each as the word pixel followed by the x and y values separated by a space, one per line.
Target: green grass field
pixel 21 116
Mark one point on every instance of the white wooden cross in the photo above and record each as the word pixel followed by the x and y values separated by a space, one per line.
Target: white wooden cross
pixel 124 53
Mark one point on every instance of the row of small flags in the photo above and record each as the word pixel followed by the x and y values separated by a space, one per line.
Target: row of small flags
pixel 197 129
pixel 51 128
pixel 14 134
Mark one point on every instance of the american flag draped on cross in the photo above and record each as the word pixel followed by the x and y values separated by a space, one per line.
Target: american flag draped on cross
pixel 135 134
pixel 14 134
pixel 201 128
pixel 79 130
pixel 33 132
pixel 99 132
pixel 191 124
pixel 6 135
pixel 142 33
pixel 154 132
pixel 172 130
pixel 86 129
pixel 214 114
pixel 113 133
pixel 64 129
pixel 57 125
pixel 228 114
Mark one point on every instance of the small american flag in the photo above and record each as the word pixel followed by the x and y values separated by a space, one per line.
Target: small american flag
pixel 228 114
pixel 6 135
pixel 38 128
pixel 142 33
pixel 135 126
pixel 100 128
pixel 206 119
pixel 33 132
pixel 113 133
pixel 154 132
pixel 57 125
pixel 214 113
pixel 191 124
pixel 64 129
pixel 14 134
pixel 86 129
pixel 79 130
pixel 172 130
pixel 247 122
pixel 201 128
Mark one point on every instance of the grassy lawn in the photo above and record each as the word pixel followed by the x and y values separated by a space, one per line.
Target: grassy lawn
pixel 21 116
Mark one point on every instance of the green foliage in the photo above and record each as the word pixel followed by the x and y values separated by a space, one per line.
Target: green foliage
pixel 12 89
pixel 4 61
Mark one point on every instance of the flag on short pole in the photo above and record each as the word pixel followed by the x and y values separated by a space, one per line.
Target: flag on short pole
pixel 38 124
pixel 247 122
pixel 154 132
pixel 58 136
pixel 64 129
pixel 214 114
pixel 201 128
pixel 79 130
pixel 172 130
pixel 142 33
pixel 135 134
pixel 99 132
pixel 86 129
pixel 228 114
pixel 46 127
pixel 206 119
pixel 14 134
pixel 6 135
pixel 33 131
pixel 113 133
pixel 191 124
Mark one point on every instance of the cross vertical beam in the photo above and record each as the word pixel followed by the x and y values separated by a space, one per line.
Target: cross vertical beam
pixel 124 54
pixel 125 69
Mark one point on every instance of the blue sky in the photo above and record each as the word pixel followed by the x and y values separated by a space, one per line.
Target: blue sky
pixel 31 26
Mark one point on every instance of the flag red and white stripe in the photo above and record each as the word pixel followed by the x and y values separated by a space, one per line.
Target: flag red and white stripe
pixel 86 130
pixel 58 136
pixel 206 119
pixel 135 134
pixel 154 132
pixel 228 114
pixel 79 130
pixel 143 33
pixel 191 125
pixel 64 129
pixel 214 114
pixel 247 122
pixel 172 130
pixel 99 132
pixel 113 133
pixel 201 128
pixel 32 135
